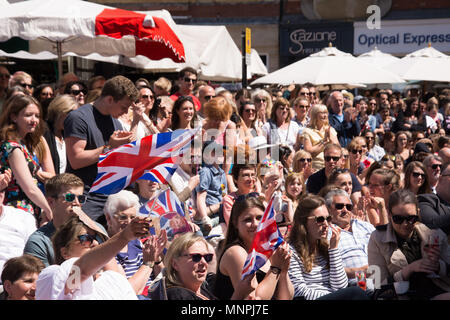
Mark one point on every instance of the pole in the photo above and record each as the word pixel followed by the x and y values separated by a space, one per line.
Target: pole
pixel 60 64
pixel 244 64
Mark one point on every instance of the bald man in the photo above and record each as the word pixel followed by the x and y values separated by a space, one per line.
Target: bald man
pixel 343 121
pixel 444 153
pixel 205 94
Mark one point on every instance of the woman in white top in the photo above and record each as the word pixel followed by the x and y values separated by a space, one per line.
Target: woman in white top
pixel 279 129
pixel 318 134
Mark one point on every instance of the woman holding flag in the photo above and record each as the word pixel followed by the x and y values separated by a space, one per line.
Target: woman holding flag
pixel 271 280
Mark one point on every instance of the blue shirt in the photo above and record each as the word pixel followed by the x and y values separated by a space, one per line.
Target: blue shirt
pixel 213 181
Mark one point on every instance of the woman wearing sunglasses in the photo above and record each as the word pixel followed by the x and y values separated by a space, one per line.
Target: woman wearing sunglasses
pixel 416 178
pixel 399 250
pixel 79 258
pixel 271 281
pixel 302 163
pixel 316 269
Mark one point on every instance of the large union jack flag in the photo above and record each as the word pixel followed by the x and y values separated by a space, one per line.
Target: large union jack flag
pixel 267 239
pixel 154 157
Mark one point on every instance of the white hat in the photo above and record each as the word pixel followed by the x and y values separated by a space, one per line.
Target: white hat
pixel 259 142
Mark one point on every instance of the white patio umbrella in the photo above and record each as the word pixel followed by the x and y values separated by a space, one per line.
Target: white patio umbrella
pixel 378 58
pixel 84 28
pixel 329 67
pixel 427 64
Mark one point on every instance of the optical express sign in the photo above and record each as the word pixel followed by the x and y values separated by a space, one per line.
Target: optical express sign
pixel 403 37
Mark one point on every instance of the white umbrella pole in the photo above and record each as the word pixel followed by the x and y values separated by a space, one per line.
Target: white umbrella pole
pixel 60 63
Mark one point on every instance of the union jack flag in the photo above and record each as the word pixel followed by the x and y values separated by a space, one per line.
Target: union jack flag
pixel 267 239
pixel 154 158
pixel 169 211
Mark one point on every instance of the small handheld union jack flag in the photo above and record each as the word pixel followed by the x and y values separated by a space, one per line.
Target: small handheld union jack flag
pixel 267 239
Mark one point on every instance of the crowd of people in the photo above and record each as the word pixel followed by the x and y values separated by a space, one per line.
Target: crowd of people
pixel 360 185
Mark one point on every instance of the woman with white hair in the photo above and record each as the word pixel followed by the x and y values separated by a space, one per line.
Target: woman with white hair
pixel 139 260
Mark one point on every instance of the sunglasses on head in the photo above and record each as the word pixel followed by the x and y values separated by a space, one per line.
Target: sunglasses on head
pixel 190 80
pixel 196 257
pixel 305 160
pixel 340 206
pixel 354 151
pixel 418 174
pixel 321 219
pixel 70 197
pixel 87 239
pixel 243 197
pixel 329 158
pixel 77 92
pixel 398 219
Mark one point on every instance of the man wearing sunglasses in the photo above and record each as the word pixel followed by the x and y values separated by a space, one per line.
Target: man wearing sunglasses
pixel 205 94
pixel 333 158
pixel 433 165
pixel 355 234
pixel 64 193
pixel 435 207
pixel 186 83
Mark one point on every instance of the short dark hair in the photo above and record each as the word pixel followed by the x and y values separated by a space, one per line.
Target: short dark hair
pixel 402 196
pixel 55 184
pixel 120 87
pixel 238 167
pixel 183 72
pixel 15 267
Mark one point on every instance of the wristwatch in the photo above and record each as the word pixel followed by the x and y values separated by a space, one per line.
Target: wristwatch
pixel 150 264
pixel 275 270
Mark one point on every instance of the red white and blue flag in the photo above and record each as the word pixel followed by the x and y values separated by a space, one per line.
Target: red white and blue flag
pixel 267 239
pixel 170 214
pixel 154 157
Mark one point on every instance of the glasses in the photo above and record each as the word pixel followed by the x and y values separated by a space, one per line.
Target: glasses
pixel 354 151
pixel 207 98
pixel 340 206
pixel 5 75
pixel 77 92
pixel 418 174
pixel 398 219
pixel 301 106
pixel 388 157
pixel 260 100
pixel 435 166
pixel 329 158
pixel 196 257
pixel 190 80
pixel 283 108
pixel 250 110
pixel 70 197
pixel 321 219
pixel 25 85
pixel 146 96
pixel 87 239
pixel 305 159
pixel 243 197
pixel 370 138
pixel 304 93
pixel 124 217
pixel 372 103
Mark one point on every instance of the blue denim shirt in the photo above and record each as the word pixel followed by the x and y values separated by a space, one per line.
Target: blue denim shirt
pixel 213 181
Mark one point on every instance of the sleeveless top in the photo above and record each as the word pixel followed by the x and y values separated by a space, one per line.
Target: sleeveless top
pixel 223 288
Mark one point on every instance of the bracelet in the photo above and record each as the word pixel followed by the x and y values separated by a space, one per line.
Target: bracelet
pixel 275 270
pixel 149 264
pixel 158 262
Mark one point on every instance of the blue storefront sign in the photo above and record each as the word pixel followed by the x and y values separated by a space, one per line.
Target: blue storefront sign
pixel 297 41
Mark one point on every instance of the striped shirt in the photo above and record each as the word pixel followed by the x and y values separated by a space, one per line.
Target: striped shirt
pixel 131 260
pixel 321 280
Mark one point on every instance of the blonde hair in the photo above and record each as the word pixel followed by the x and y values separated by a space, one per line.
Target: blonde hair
pixel 315 110
pixel 297 156
pixel 164 84
pixel 176 250
pixel 290 179
pixel 61 105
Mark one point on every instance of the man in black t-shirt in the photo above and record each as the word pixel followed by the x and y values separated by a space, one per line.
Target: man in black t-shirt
pixel 91 130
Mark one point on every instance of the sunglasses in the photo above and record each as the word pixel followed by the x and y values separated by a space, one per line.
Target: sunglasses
pixel 243 197
pixel 250 110
pixel 24 85
pixel 283 108
pixel 196 257
pixel 207 98
pixel 340 206
pixel 305 160
pixel 321 219
pixel 302 106
pixel 370 138
pixel 354 151
pixel 418 174
pixel 260 100
pixel 70 197
pixel 87 239
pixel 304 93
pixel 398 219
pixel 77 92
pixel 435 166
pixel 146 96
pixel 5 76
pixel 190 80
pixel 329 158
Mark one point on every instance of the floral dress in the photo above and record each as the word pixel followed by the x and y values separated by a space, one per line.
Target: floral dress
pixel 14 195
